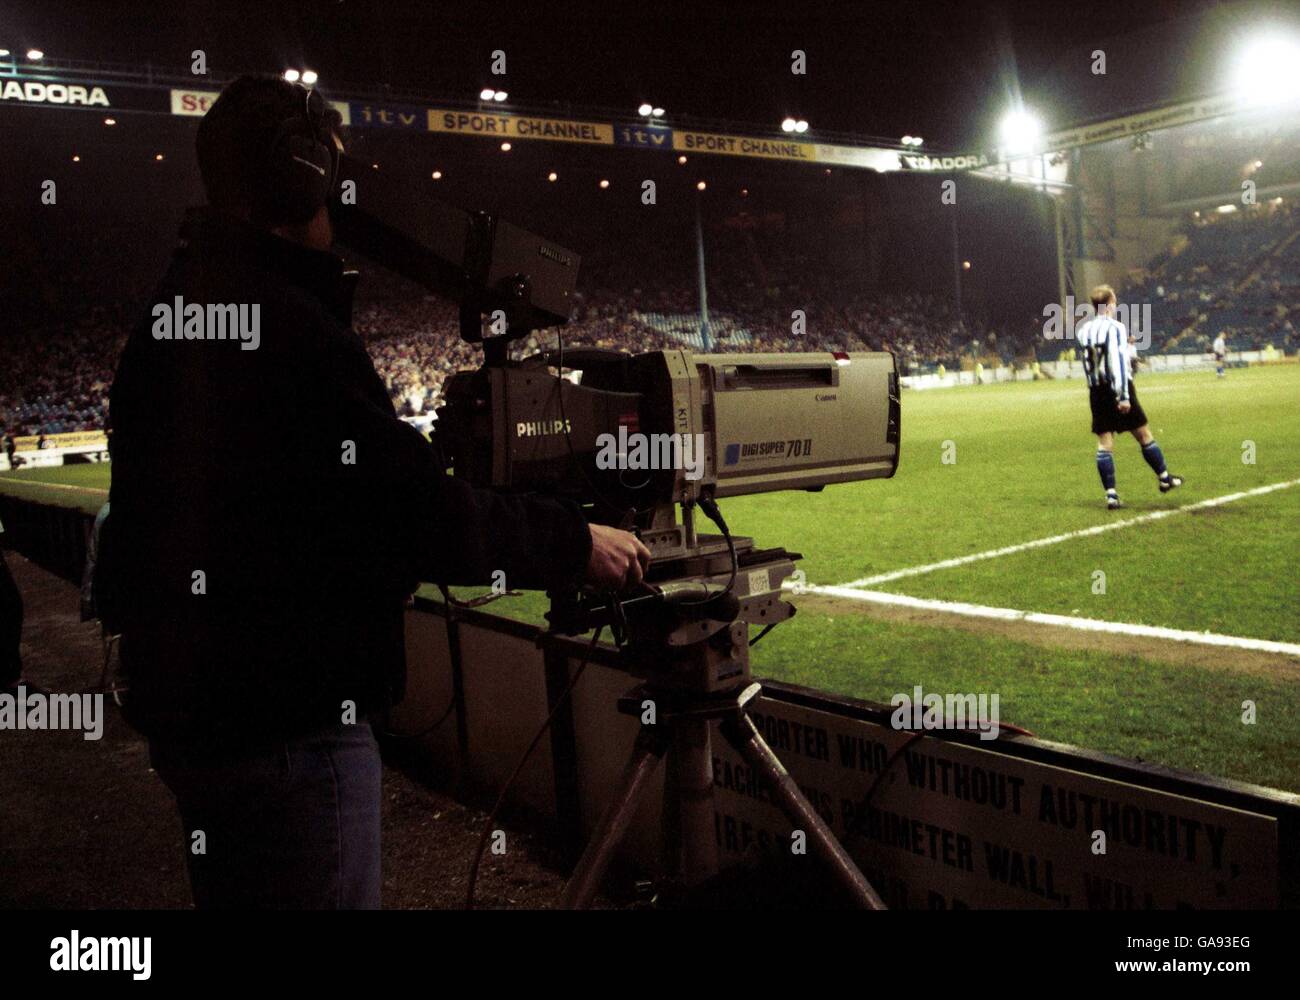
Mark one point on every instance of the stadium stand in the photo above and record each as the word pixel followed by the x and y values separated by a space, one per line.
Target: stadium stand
pixel 1233 273
pixel 59 370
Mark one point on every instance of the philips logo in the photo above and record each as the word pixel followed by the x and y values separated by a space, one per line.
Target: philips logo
pixel 551 254
pixel 542 428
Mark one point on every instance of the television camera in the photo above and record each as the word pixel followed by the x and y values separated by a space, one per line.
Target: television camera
pixel 635 439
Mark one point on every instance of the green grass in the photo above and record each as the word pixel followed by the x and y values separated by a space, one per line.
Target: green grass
pixel 1024 470
pixel 1172 714
pixel 30 484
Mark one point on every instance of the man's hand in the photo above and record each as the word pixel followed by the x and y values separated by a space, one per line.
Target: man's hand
pixel 1125 406
pixel 618 559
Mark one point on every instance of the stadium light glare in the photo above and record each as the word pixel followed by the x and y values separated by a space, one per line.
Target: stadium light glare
pixel 505 147
pixel 35 55
pixel 1020 131
pixel 309 77
pixel 486 94
pixel 787 125
pixel 700 186
pixel 646 110
pixel 604 184
pixel 4 53
pixel 552 177
pixel 158 157
pixel 656 112
pixel 76 159
pixel 437 175
pixel 500 96
pixel 681 159
pixel 292 75
pixel 801 126
pixel 110 121
pixel 907 140
pixel 1267 71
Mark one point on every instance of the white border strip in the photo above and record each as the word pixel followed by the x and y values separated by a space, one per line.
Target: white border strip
pixel 1059 621
pixel 1038 543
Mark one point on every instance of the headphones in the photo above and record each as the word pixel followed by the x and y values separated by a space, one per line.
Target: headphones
pixel 303 164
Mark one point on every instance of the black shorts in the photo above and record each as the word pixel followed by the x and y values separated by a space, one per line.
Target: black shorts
pixel 1105 413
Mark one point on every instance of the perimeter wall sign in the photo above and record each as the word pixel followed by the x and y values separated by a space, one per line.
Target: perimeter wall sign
pixel 936 820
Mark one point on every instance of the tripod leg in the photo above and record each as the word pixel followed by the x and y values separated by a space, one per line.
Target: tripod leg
pixel 646 753
pixel 742 735
pixel 690 843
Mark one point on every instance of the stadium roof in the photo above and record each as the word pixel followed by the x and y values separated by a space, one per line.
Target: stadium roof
pixel 940 69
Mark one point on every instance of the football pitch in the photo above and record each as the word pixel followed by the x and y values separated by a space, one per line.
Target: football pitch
pixel 986 562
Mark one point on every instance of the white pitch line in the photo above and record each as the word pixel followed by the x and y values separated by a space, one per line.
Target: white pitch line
pixel 1038 543
pixel 1060 621
pixel 52 486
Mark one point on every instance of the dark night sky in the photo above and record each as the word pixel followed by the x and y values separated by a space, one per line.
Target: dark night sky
pixel 941 68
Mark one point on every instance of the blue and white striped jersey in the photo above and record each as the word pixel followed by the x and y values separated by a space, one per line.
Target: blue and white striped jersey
pixel 1103 344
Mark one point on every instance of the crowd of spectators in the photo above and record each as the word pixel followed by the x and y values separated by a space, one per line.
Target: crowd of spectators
pixel 57 374
pixel 1235 273
pixel 55 377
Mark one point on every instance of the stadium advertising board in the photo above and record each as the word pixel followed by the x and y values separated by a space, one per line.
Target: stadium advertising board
pixel 942 824
pixel 74 439
pixel 1147 121
pixel 506 126
pixel 643 136
pixel 85 95
pixel 743 145
pixel 920 161
pixel 394 116
pixel 192 102
pixel 936 820
pixel 142 96
pixel 196 103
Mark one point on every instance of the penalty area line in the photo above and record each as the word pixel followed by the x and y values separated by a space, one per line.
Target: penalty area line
pixel 1055 621
pixel 1097 529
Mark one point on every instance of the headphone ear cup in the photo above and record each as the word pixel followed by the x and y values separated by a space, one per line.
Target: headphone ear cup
pixel 302 175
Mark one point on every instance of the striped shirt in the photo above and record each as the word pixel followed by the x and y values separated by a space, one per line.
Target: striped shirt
pixel 1103 344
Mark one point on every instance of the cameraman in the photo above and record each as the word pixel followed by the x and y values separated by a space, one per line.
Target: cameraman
pixel 270 515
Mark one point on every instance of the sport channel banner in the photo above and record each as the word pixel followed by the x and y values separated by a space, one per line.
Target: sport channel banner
pixel 507 126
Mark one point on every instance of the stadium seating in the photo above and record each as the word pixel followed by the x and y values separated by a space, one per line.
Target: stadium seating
pixel 1237 274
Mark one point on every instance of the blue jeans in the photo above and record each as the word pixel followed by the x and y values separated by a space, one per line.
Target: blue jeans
pixel 288 825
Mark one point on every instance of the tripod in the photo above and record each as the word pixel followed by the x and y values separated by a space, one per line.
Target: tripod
pixel 684 695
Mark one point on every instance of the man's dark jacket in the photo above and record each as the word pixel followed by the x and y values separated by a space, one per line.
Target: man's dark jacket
pixel 284 478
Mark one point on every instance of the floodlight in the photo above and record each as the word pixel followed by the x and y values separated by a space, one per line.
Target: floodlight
pixel 1020 132
pixel 1267 71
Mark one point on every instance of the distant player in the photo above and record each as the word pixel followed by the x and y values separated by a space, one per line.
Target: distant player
pixel 1220 349
pixel 1103 345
